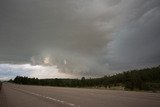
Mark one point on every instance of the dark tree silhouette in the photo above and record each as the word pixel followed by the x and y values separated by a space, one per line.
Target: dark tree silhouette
pixel 143 79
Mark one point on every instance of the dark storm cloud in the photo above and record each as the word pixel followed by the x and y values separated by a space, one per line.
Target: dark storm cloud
pixel 137 43
pixel 88 37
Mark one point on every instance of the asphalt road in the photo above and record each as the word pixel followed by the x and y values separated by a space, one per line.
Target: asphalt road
pixel 13 95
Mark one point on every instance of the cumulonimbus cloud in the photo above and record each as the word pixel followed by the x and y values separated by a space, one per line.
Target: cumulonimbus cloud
pixel 81 37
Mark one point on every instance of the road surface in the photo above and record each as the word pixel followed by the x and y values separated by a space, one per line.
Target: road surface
pixel 13 95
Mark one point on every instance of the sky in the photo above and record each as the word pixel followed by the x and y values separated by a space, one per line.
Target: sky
pixel 75 38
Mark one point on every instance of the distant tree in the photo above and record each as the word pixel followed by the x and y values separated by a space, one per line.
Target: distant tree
pixel 143 79
pixel 83 81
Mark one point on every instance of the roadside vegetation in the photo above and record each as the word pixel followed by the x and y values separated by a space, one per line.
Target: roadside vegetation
pixel 147 79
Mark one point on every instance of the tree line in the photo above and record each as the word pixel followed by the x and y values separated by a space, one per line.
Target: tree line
pixel 143 79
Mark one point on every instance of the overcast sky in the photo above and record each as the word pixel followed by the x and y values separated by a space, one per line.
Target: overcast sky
pixel 74 38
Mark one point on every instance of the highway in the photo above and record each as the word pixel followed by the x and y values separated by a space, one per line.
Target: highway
pixel 13 95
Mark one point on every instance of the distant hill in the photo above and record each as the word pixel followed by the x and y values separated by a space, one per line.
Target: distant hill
pixel 143 79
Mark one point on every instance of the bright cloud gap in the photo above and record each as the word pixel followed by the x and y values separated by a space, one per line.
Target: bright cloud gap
pixel 8 71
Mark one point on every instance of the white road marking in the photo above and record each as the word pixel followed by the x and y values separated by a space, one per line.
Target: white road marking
pixel 46 97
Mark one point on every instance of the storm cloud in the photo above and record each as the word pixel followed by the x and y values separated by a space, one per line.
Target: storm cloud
pixel 81 37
